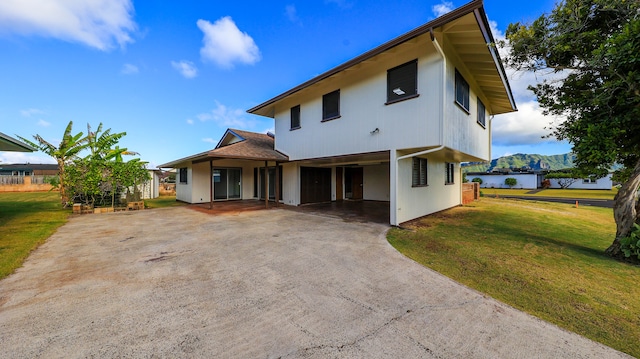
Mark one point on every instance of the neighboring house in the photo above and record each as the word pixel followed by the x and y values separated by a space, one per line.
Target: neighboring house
pixel 26 177
pixel 8 143
pixel 392 124
pixel 533 180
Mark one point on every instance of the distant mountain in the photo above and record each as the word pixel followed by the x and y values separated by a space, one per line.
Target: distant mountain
pixel 521 160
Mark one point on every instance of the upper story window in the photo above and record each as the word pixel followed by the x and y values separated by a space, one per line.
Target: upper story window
pixel 402 82
pixel 449 176
pixel 481 113
pixel 462 91
pixel 183 175
pixel 331 105
pixel 419 172
pixel 295 117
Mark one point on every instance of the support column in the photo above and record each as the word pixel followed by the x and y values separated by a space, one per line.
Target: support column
pixel 393 183
pixel 277 184
pixel 210 184
pixel 266 184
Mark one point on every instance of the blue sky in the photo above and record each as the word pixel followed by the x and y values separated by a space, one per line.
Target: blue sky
pixel 174 75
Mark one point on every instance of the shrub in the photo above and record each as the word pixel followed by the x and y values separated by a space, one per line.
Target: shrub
pixel 545 184
pixel 630 245
pixel 477 179
pixel 510 181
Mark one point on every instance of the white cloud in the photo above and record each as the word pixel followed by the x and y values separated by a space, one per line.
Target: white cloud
pixel 525 127
pixel 96 23
pixel 186 68
pixel 31 111
pixel 226 117
pixel 190 121
pixel 292 14
pixel 225 45
pixel 129 69
pixel 43 123
pixel 25 157
pixel 343 4
pixel 442 8
pixel 209 140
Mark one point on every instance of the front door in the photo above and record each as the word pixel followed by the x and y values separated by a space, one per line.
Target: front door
pixel 353 178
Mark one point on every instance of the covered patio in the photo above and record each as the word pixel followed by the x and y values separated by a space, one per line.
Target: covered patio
pixel 349 211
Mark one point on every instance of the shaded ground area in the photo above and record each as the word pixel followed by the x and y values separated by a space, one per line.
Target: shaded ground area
pixel 351 211
pixel 275 283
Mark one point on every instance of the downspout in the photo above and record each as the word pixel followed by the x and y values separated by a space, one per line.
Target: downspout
pixel 442 111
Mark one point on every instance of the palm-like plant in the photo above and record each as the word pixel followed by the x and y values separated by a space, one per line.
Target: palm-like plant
pixel 64 153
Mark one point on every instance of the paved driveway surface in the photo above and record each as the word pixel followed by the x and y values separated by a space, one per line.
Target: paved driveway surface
pixel 269 284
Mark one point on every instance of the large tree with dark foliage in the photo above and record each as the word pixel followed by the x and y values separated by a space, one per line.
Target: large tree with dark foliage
pixel 593 47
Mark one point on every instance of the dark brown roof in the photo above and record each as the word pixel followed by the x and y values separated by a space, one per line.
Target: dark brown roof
pixel 253 146
pixel 237 144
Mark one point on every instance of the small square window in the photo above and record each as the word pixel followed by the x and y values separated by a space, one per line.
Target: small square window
pixel 462 91
pixel 183 175
pixel 331 106
pixel 481 114
pixel 295 117
pixel 449 176
pixel 402 82
pixel 419 172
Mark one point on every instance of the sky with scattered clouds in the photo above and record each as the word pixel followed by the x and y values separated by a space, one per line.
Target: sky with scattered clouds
pixel 175 75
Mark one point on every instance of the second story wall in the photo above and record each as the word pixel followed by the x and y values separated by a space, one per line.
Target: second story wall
pixel 463 128
pixel 412 123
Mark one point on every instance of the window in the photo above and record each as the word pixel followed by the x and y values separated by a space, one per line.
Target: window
pixel 462 92
pixel 449 174
pixel 402 82
pixel 419 174
pixel 481 113
pixel 295 117
pixel 331 106
pixel 590 180
pixel 183 175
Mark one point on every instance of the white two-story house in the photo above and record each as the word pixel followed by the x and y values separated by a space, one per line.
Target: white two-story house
pixel 391 125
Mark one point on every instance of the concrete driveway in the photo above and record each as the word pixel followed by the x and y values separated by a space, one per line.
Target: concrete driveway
pixel 177 283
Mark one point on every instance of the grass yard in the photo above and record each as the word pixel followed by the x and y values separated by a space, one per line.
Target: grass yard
pixel 559 193
pixel 27 220
pixel 543 258
pixel 162 201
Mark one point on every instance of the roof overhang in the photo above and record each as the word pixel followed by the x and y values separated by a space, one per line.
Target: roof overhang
pixel 484 57
pixel 8 143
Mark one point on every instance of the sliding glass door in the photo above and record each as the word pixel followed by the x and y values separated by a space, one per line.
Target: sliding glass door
pixel 227 183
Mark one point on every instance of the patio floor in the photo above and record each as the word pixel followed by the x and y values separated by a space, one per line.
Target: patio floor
pixel 350 211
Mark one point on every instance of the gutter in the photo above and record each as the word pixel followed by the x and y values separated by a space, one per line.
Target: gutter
pixel 442 111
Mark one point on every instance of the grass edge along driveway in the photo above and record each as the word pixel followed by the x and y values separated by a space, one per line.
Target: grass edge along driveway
pixel 546 259
pixel 27 219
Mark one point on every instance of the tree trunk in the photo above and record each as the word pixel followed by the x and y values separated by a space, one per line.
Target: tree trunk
pixel 63 190
pixel 625 210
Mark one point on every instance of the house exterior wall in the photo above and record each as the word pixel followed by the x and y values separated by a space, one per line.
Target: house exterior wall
pixel 525 180
pixel 363 93
pixel 530 181
pixel 601 183
pixel 461 130
pixel 375 184
pixel 414 202
pixel 290 184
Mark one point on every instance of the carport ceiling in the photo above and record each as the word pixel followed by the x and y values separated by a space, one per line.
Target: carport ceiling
pixel 361 159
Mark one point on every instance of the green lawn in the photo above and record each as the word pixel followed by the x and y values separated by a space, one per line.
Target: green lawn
pixel 543 258
pixel 560 193
pixel 27 220
pixel 162 201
